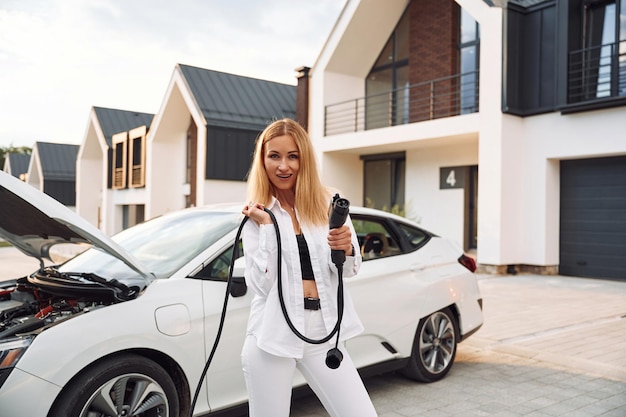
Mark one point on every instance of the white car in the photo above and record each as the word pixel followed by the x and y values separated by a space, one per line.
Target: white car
pixel 126 327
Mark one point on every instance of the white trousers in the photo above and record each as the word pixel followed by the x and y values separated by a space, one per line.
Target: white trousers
pixel 269 378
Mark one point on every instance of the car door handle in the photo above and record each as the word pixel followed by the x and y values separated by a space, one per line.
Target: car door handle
pixel 417 267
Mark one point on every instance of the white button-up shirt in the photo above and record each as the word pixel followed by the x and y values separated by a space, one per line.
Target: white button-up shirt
pixel 266 319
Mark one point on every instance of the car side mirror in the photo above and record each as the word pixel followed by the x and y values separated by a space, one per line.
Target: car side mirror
pixel 238 286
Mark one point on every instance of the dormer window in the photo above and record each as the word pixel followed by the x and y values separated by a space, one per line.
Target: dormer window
pixel 137 156
pixel 120 152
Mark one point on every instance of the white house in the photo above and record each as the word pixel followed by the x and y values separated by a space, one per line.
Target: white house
pixel 104 196
pixel 201 141
pixel 498 124
pixel 52 170
pixel 16 164
pixel 196 150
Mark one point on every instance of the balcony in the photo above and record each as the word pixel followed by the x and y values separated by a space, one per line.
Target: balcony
pixel 597 74
pixel 435 99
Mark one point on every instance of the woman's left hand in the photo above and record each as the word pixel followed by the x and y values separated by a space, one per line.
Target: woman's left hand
pixel 340 238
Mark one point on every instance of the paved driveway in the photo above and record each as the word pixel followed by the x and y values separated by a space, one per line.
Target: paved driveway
pixel 550 346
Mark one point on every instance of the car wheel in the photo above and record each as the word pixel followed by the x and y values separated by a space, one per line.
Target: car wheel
pixel 127 385
pixel 434 347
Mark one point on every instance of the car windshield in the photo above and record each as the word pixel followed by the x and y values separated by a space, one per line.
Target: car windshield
pixel 162 245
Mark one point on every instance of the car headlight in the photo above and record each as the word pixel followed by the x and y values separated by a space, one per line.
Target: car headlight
pixel 11 350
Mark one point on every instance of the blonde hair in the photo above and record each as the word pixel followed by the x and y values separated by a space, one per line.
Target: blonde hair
pixel 312 198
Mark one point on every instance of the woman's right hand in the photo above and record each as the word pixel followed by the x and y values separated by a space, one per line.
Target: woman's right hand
pixel 257 213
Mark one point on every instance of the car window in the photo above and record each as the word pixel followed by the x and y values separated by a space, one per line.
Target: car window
pixel 218 268
pixel 162 245
pixel 416 237
pixel 375 241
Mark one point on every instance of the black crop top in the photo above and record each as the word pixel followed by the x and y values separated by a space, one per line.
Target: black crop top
pixel 305 258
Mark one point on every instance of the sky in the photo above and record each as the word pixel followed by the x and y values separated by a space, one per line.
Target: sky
pixel 60 58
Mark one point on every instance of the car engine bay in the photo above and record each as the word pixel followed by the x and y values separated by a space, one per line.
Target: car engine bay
pixel 32 304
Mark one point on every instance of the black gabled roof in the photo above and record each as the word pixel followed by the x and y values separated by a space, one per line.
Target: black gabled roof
pixel 114 121
pixel 18 163
pixel 229 100
pixel 58 160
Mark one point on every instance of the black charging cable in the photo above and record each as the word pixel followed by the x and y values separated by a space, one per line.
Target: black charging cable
pixel 222 317
pixel 339 213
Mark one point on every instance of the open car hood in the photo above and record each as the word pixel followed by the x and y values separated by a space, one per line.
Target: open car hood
pixel 34 222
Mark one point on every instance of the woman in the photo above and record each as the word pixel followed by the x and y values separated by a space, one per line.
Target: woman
pixel 284 179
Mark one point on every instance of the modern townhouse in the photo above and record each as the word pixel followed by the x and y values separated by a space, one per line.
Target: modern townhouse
pixel 499 124
pixel 201 141
pixel 16 164
pixel 195 151
pixel 52 170
pixel 104 195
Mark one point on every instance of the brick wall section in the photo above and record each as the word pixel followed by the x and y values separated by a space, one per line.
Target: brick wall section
pixel 432 55
pixel 302 97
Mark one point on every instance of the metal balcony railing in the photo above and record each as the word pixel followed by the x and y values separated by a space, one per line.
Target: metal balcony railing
pixel 442 97
pixel 597 73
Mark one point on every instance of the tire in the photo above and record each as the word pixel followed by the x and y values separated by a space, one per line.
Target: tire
pixel 434 347
pixel 147 390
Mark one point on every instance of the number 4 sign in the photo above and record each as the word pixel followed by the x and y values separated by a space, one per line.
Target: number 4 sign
pixel 452 177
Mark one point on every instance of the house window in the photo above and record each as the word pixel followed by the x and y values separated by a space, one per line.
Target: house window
pixel 387 84
pixel 137 157
pixel 188 169
pixel 605 43
pixel 120 143
pixel 132 215
pixel 468 61
pixel 384 181
pixel 598 69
